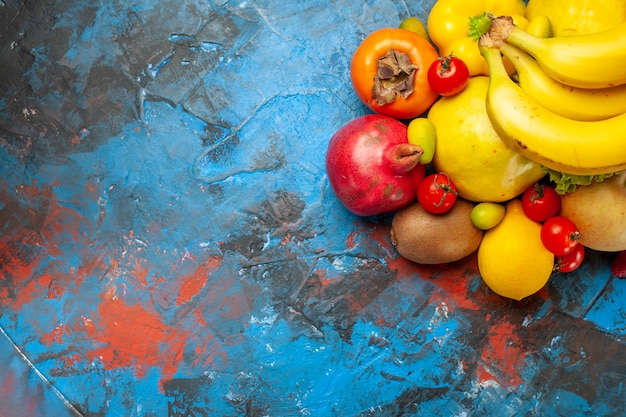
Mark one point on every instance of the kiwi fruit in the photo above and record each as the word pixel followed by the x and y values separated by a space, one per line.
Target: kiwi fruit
pixel 427 238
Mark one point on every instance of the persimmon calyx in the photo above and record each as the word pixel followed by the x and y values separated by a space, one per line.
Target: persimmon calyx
pixel 395 77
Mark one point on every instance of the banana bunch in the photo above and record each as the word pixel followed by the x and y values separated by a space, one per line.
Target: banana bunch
pixel 571 102
pixel 568 111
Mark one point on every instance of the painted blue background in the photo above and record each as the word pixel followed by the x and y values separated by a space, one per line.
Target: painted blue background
pixel 171 246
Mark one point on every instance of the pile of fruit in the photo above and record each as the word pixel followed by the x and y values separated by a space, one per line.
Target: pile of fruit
pixel 499 131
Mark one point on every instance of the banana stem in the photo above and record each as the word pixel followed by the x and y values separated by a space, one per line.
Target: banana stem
pixel 504 30
pixel 492 55
pixel 526 41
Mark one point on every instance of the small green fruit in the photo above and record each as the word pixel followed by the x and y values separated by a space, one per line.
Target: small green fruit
pixel 421 132
pixel 487 215
pixel 414 25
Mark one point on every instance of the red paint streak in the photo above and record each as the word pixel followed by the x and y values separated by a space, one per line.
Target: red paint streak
pixel 139 271
pixel 26 294
pixel 388 317
pixel 91 264
pixel 63 221
pixel 45 285
pixel 55 336
pixel 502 357
pixel 19 268
pixel 194 283
pixel 7 387
pixel 452 279
pixel 286 239
pixel 327 279
pixel 56 289
pixel 14 263
pixel 133 336
pixel 91 191
pixel 200 319
pixel 86 325
pixel 14 396
pixel 351 240
pixel 208 350
pixel 35 238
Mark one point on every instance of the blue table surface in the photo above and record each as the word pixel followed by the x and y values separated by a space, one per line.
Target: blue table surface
pixel 170 245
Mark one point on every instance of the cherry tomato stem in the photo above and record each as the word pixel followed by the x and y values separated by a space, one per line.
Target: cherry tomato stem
pixel 570 261
pixel 436 193
pixel 560 235
pixel 540 202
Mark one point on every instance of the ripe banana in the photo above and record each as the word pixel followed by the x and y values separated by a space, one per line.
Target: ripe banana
pixel 562 144
pixel 571 102
pixel 596 60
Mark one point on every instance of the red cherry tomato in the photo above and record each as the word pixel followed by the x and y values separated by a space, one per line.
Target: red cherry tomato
pixel 571 261
pixel 436 193
pixel 540 202
pixel 448 75
pixel 559 235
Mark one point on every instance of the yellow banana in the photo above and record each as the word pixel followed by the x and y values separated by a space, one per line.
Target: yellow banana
pixel 571 102
pixel 596 60
pixel 565 145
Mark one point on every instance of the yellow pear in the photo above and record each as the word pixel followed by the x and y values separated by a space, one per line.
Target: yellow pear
pixel 599 212
pixel 470 151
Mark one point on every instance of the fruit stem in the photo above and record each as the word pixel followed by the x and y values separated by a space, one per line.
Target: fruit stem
pixel 402 157
pixel 492 55
pixel 394 77
pixel 445 63
pixel 539 192
pixel 503 30
pixel 479 25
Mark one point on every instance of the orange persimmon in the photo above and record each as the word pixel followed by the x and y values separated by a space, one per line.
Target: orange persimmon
pixel 389 73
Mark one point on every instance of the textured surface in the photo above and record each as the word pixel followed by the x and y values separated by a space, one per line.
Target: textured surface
pixel 170 245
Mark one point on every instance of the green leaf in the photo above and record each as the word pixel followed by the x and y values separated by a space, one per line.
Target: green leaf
pixel 567 183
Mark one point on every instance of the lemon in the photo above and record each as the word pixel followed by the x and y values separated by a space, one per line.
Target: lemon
pixel 414 25
pixel 511 258
pixel 487 215
pixel 421 132
pixel 540 27
pixel 469 150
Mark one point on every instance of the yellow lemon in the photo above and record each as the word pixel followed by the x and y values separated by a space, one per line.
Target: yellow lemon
pixel 421 132
pixel 511 258
pixel 487 215
pixel 414 25
pixel 469 150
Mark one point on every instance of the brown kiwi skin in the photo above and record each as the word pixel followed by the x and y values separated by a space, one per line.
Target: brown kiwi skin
pixel 426 238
